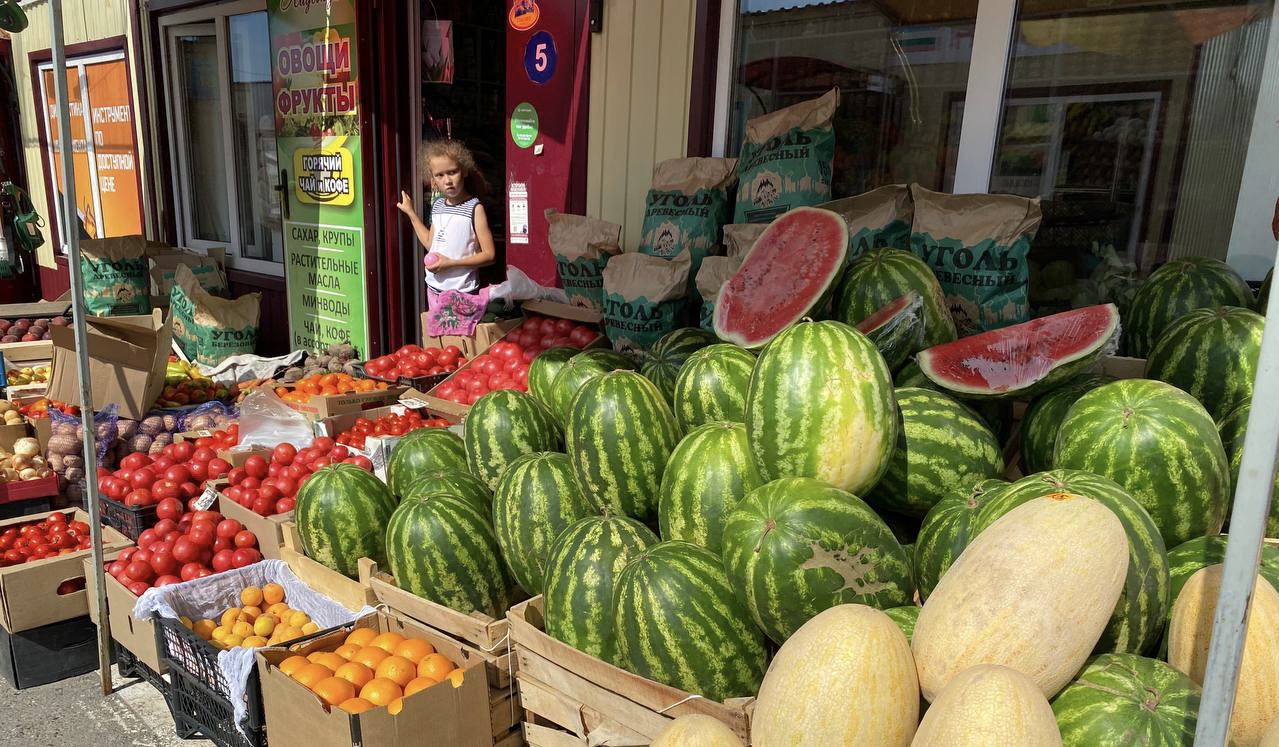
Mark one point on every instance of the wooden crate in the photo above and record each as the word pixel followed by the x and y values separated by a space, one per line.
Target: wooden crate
pixel 573 698
pixel 348 592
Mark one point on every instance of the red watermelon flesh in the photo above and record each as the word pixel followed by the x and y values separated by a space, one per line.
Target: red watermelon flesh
pixel 888 312
pixel 1024 358
pixel 787 273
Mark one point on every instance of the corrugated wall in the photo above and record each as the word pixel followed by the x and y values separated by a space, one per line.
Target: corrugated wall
pixel 641 68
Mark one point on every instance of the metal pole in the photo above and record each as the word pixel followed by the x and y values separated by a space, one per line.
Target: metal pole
pixel 1243 550
pixel 71 238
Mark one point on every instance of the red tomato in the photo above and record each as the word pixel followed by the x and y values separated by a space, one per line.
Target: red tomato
pixel 245 556
pixel 245 538
pixel 255 466
pixel 199 471
pixel 135 460
pixel 143 477
pixel 138 571
pixel 189 571
pixel 235 476
pixel 250 483
pixel 564 326
pixel 147 538
pixel 228 528
pixel 270 492
pixel 184 451
pixel 294 472
pixel 284 454
pixel 178 473
pixel 202 454
pixel 163 562
pixel 202 533
pixel 165 489
pixel 212 517
pixel 582 336
pixel 222 543
pixel 116 567
pixel 447 390
pixel 219 467
pixel 166 526
pixel 532 325
pixel 339 453
pixel 323 444
pixel 321 463
pixel 138 588
pixel 189 489
pixel 203 572
pixel 288 487
pixel 165 580
pixel 222 560
pixel 139 497
pixel 284 505
pixel 362 462
pixel 234 492
pixel 263 506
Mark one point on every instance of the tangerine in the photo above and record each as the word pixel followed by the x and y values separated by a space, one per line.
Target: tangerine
pixel 395 706
pixel 328 659
pixel 334 690
pixel 370 656
pixel 380 692
pixel 397 669
pixel 435 666
pixel 356 705
pixel 293 664
pixel 455 677
pixel 418 684
pixel 347 650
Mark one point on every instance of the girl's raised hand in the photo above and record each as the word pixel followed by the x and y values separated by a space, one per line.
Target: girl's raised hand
pixel 406 204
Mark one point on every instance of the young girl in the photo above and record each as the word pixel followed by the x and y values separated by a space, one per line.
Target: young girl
pixel 458 241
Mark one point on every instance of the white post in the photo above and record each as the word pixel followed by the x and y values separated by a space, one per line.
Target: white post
pixel 984 101
pixel 71 239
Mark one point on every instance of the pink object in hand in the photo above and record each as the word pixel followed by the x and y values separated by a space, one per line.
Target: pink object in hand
pixel 432 259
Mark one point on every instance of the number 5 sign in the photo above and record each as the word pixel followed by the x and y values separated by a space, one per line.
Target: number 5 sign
pixel 540 57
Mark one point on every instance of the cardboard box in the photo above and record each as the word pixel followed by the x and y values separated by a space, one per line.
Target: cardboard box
pixel 439 716
pixel 49 653
pixel 18 355
pixel 486 333
pixel 127 358
pixel 563 311
pixel 43 429
pixel 319 407
pixel 58 307
pixel 134 635
pixel 29 592
pixel 348 592
pixel 589 698
pixel 269 529
pixel 9 435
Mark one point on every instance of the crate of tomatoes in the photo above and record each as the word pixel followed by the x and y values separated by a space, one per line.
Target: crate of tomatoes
pixel 325 395
pixel 414 366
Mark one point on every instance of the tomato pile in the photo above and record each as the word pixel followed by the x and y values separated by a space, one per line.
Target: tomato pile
pixel 389 424
pixel 271 487
pixel 220 440
pixel 40 408
pixel 538 333
pixel 412 361
pixel 55 534
pixel 327 385
pixel 505 364
pixel 183 546
pixel 178 474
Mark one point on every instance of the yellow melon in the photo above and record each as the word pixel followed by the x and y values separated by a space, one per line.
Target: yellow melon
pixel 845 678
pixel 696 730
pixel 1189 634
pixel 1033 593
pixel 989 705
pixel 1271 739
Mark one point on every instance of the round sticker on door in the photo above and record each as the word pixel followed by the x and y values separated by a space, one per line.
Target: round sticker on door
pixel 524 14
pixel 540 57
pixel 524 125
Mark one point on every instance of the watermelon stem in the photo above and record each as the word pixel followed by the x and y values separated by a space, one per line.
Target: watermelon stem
pixel 769 526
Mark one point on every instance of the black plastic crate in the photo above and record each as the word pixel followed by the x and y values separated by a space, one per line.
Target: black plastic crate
pixel 49 653
pixel 420 383
pixel 199 699
pixel 130 521
pixel 130 666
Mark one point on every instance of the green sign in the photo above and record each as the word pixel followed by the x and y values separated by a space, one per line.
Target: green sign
pixel 524 125
pixel 313 49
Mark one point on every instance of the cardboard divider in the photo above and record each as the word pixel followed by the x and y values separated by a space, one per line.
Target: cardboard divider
pixel 320 406
pixel 347 592
pixel 127 359
pixel 486 333
pixel 134 635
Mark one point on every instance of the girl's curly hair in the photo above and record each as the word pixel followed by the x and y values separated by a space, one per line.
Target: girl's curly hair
pixel 472 177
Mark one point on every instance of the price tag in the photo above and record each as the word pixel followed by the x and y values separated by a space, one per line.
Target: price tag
pixel 379 456
pixel 413 403
pixel 206 499
pixel 204 433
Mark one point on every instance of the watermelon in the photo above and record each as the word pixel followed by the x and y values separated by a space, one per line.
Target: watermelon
pixel 1043 418
pixel 821 405
pixel 536 498
pixel 1186 559
pixel 663 361
pixel 878 277
pixel 712 386
pixel 341 516
pixel 947 530
pixel 620 434
pixel 678 621
pixel 996 413
pixel 544 368
pixel 708 474
pixel 580 369
pixel 1139 615
pixel 1178 287
pixel 421 451
pixel 897 329
pixel 1211 354
pixel 581 571
pixel 796 546
pixel 1121 700
pixel 440 548
pixel 502 426
pixel 1024 359
pixel 454 482
pixel 1232 429
pixel 1160 445
pixel 785 277
pixel 905 617
pixel 1263 294
pixel 941 446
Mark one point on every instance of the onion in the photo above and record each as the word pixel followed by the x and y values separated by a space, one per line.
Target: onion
pixel 26 447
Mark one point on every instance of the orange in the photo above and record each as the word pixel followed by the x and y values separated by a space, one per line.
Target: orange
pixel 395 706
pixel 414 649
pixel 380 692
pixel 273 593
pixel 293 664
pixel 347 650
pixel 435 666
pixel 333 690
pixel 370 656
pixel 387 642
pixel 311 674
pixel 456 677
pixel 328 659
pixel 361 636
pixel 357 674
pixel 418 684
pixel 397 669
pixel 356 705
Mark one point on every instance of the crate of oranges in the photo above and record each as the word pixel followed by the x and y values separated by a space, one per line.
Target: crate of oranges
pixel 387 681
pixel 325 395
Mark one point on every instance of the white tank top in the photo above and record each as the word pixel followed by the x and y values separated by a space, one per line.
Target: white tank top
pixel 453 236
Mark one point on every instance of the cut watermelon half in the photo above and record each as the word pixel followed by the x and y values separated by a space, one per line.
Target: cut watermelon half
pixel 786 275
pixel 1024 359
pixel 897 329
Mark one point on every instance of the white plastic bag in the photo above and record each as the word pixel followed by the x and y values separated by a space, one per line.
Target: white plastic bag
pixel 265 420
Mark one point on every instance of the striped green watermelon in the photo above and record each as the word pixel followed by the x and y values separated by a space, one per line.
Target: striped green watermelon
pixel 708 474
pixel 1211 354
pixel 502 426
pixel 942 446
pixel 581 571
pixel 1138 617
pixel 947 530
pixel 712 386
pixel 454 482
pixel 1178 287
pixel 1232 429
pixel 544 368
pixel 621 432
pixel 1124 700
pixel 821 405
pixel 678 621
pixel 663 361
pixel 897 329
pixel 881 275
pixel 1160 445
pixel 536 499
pixel 441 549
pixel 341 515
pixel 1043 418
pixel 905 617
pixel 1263 294
pixel 421 451
pixel 996 413
pixel 580 369
pixel 1186 559
pixel 796 546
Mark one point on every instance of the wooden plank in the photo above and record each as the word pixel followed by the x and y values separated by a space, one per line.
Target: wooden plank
pixel 345 591
pixel 514 739
pixel 550 705
pixel 594 701
pixel 486 633
pixel 505 710
pixel 542 736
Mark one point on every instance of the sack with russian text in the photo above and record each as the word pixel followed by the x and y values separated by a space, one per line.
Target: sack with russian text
pixel 644 298
pixel 211 329
pixel 878 219
pixel 787 159
pixel 685 208
pixel 115 276
pixel 582 247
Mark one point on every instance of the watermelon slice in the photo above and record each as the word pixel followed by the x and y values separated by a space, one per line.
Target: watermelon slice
pixel 786 275
pixel 1026 358
pixel 897 329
